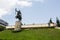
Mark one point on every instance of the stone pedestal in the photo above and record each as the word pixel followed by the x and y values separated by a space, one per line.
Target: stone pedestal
pixel 17 26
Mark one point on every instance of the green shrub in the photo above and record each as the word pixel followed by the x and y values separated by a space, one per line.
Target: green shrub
pixel 2 28
pixel 58 22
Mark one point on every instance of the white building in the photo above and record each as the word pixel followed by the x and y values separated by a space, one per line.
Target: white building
pixel 3 23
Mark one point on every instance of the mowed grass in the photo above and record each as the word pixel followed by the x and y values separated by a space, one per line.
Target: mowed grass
pixel 31 34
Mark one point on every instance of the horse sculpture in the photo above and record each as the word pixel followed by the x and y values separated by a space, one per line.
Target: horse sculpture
pixel 18 15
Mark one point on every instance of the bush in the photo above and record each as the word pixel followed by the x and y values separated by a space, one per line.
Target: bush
pixel 2 28
pixel 58 22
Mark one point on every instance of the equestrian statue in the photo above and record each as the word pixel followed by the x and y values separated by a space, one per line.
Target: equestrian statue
pixel 18 15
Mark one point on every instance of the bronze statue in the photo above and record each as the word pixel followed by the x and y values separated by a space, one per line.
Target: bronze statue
pixel 18 15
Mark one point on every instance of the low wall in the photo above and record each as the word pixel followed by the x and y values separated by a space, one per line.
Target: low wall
pixel 37 25
pixel 31 26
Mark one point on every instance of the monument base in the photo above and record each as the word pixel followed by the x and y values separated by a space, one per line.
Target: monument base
pixel 17 26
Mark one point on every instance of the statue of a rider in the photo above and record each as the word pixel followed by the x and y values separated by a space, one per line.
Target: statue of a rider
pixel 18 15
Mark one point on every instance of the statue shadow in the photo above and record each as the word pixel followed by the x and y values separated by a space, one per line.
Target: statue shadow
pixel 16 31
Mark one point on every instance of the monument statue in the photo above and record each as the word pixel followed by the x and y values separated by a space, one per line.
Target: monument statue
pixel 18 22
pixel 18 15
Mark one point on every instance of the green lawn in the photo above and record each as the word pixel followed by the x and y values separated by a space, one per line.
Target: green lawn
pixel 32 34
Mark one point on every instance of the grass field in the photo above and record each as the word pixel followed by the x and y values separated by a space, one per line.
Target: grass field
pixel 32 34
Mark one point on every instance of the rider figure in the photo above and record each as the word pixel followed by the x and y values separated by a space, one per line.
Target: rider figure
pixel 18 16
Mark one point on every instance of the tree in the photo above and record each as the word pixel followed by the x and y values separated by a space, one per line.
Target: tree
pixel 50 21
pixel 57 22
